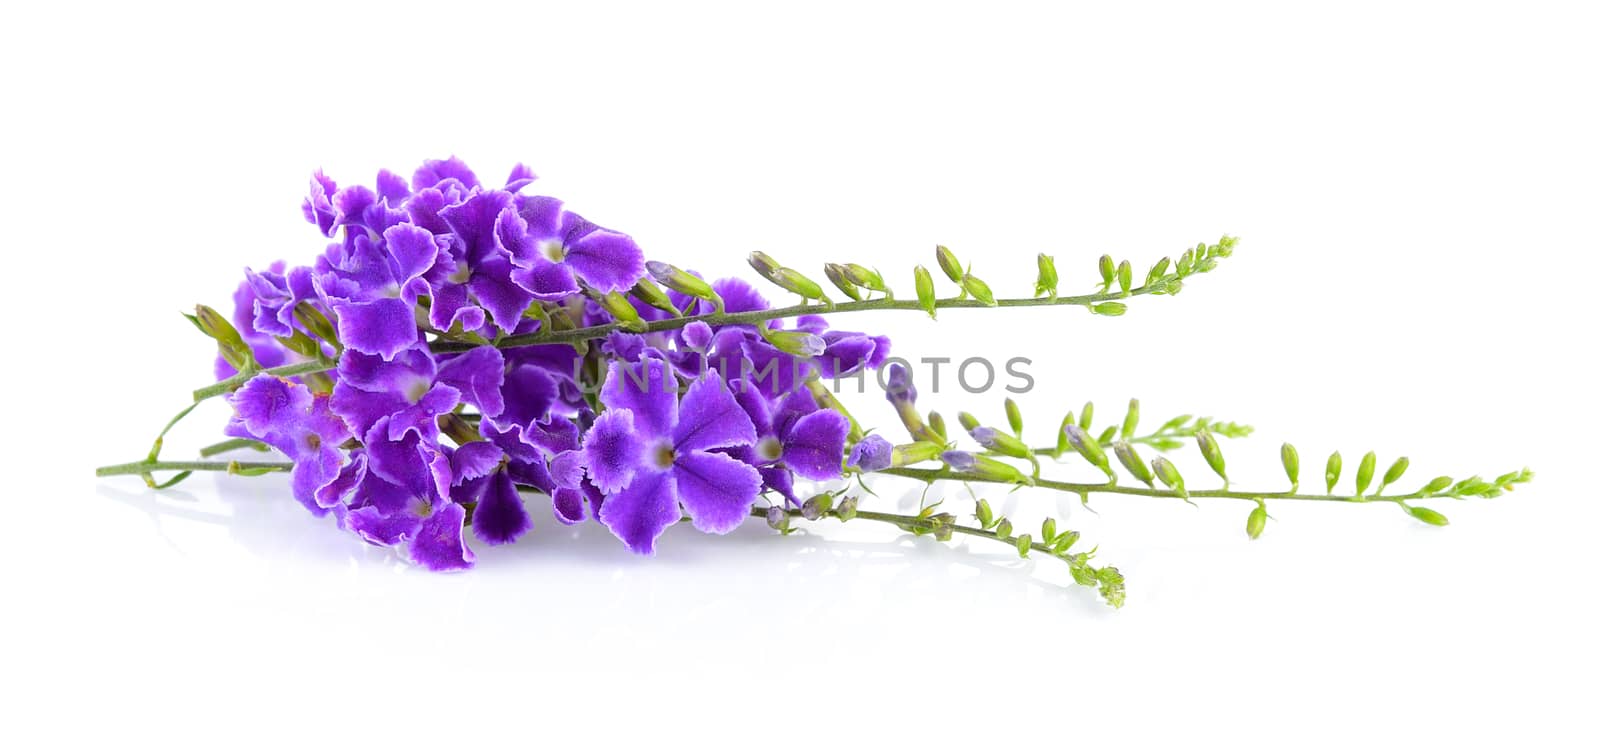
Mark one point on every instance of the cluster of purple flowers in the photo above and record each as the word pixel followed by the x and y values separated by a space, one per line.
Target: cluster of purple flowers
pixel 407 446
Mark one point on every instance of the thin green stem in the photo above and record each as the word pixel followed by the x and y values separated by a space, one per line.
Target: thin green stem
pixel 231 445
pixel 929 476
pixel 236 467
pixel 282 371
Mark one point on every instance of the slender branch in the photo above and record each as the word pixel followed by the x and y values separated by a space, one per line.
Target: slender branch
pixel 236 467
pixel 929 476
pixel 282 371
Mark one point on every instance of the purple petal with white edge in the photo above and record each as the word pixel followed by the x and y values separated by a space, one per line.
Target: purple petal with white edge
pixel 815 447
pixel 566 469
pixel 453 309
pixel 738 295
pixel 541 217
pixel 500 518
pixel 521 176
pixel 388 498
pixel 696 336
pixel 392 187
pixel 313 472
pixel 534 471
pixel 343 487
pixel 638 514
pixel 526 397
pixel 648 389
pixel 382 327
pixel 612 450
pixel 350 204
pixel 790 409
pixel 361 409
pixel 553 435
pixel 267 403
pixel 409 373
pixel 491 285
pixel 774 372
pixel 434 171
pixel 710 417
pixel 567 503
pixel 399 461
pixel 717 490
pixel 479 374
pixel 474 460
pixel 378 528
pixel 606 260
pixel 872 453
pixel 412 249
pixel 811 323
pixel 755 406
pixel 423 416
pixel 469 491
pixel 547 281
pixel 846 354
pixel 438 545
pixel 778 478
pixel 472 221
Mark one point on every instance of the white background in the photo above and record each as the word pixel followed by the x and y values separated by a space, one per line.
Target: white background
pixel 1415 185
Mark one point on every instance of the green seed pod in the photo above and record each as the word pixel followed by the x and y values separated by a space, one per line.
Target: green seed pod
pixel 651 294
pixel 984 514
pixel 1335 464
pixel 1158 271
pixel 1257 522
pixel 835 275
pixel 1108 270
pixel 968 421
pixel 1024 544
pixel 816 507
pixel 1427 516
pixel 764 265
pixel 1134 464
pixel 1047 276
pixel 1110 308
pixel 948 262
pixel 1369 465
pixel 1291 463
pixel 979 290
pixel 1130 422
pixel 1212 452
pixel 620 309
pixel 936 423
pixel 925 291
pixel 1014 415
pixel 1395 471
pixel 1438 484
pixel 1086 417
pixel 1125 276
pixel 1169 476
pixel 683 282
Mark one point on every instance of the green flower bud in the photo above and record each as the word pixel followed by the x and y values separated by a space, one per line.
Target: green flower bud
pixel 979 290
pixel 925 291
pixel 1108 270
pixel 968 421
pixel 778 518
pixel 1024 544
pixel 936 424
pixel 864 277
pixel 1090 449
pixel 1369 465
pixel 817 506
pixel 1168 474
pixel 1427 516
pixel 1014 416
pixel 1125 276
pixel 1110 308
pixel 948 262
pixel 1130 423
pixel 1003 527
pixel 1212 453
pixel 1291 463
pixel 1335 464
pixel 1064 541
pixel 999 442
pixel 1086 417
pixel 914 452
pixel 1438 484
pixel 764 265
pixel 984 514
pixel 835 275
pixel 1047 276
pixel 798 284
pixel 623 312
pixel 651 294
pixel 1047 530
pixel 230 345
pixel 846 509
pixel 1393 474
pixel 1257 522
pixel 797 343
pixel 1134 464
pixel 683 282
pixel 1158 271
pixel 317 323
pixel 1062 444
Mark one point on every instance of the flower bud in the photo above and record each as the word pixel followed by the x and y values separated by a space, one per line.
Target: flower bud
pixel 1047 276
pixel 835 274
pixel 1393 474
pixel 675 279
pixel 1291 463
pixel 1089 448
pixel 764 265
pixel 1212 453
pixel 864 277
pixel 1257 522
pixel 968 421
pixel 1086 416
pixel 622 311
pixel 999 442
pixel 1427 516
pixel 1047 530
pixel 816 507
pixel 925 291
pixel 1335 465
pixel 979 290
pixel 1062 443
pixel 948 262
pixel 1110 308
pixel 846 509
pixel 936 424
pixel 1168 474
pixel 986 467
pixel 651 294
pixel 984 514
pixel 1134 464
pixel 797 343
pixel 778 518
pixel 230 345
pixel 1130 423
pixel 1014 416
pixel 1125 276
pixel 1158 271
pixel 1438 484
pixel 871 453
pixel 1369 465
pixel 914 452
pixel 1108 270
pixel 1003 527
pixel 1024 544
pixel 697 336
pixel 317 324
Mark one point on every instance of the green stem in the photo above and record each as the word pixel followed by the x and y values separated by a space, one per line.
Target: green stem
pixel 282 371
pixel 231 445
pixel 929 476
pixel 143 467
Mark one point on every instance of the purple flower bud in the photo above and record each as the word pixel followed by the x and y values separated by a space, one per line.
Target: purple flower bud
pixel 872 453
pixel 697 336
pixel 900 390
pixel 962 461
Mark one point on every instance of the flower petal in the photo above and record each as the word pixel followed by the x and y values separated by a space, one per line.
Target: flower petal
pixel 638 514
pixel 710 417
pixel 384 327
pixel 814 448
pixel 606 260
pixel 648 389
pixel 612 450
pixel 438 545
pixel 716 489
pixel 478 373
pixel 474 460
pixel 500 517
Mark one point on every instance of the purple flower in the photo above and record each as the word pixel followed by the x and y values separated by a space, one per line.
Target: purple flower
pixel 794 434
pixel 299 424
pixel 373 284
pixel 650 452
pixel 871 453
pixel 413 390
pixel 552 248
pixel 482 266
pixel 402 500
